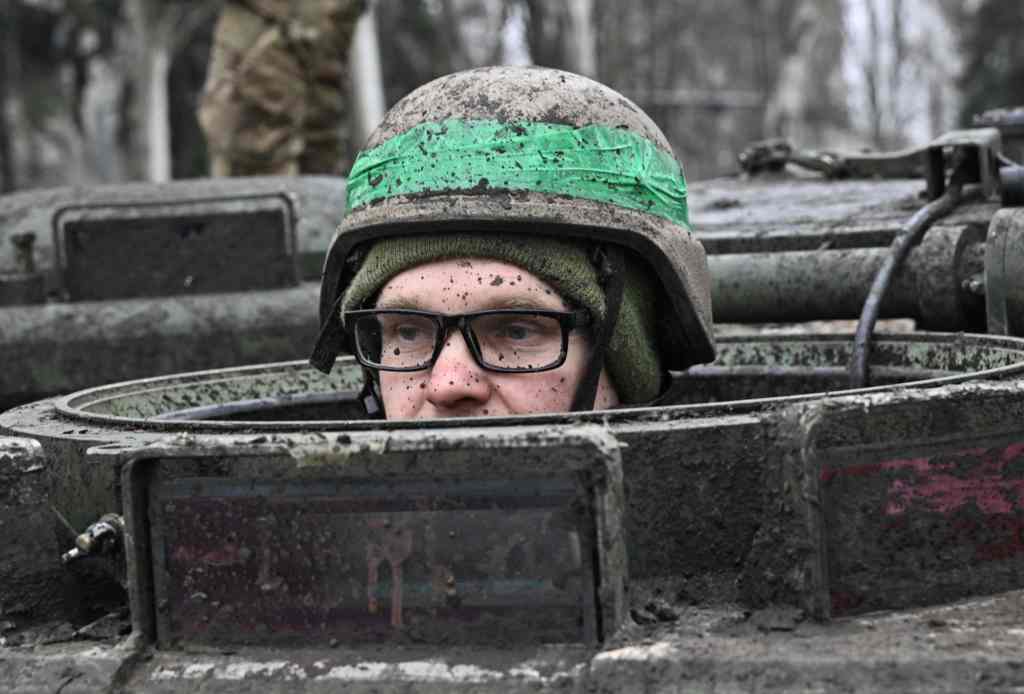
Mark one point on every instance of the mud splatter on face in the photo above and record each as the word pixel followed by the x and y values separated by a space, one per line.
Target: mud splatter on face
pixel 457 385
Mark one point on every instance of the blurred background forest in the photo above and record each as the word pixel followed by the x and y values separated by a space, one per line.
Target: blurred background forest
pixel 96 91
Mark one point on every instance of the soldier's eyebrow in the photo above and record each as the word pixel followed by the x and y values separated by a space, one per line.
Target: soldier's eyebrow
pixel 409 301
pixel 525 303
pixel 402 301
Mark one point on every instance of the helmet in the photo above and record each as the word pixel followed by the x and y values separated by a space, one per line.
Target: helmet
pixel 527 151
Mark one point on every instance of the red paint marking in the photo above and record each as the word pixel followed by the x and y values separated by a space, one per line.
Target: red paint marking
pixel 936 484
pixel 393 545
pixel 946 484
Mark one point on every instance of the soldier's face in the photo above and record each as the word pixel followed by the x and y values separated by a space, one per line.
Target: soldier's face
pixel 456 386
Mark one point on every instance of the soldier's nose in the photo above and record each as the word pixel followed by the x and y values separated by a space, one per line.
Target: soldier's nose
pixel 456 380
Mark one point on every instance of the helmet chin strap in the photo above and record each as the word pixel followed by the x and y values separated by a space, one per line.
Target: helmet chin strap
pixel 370 397
pixel 611 268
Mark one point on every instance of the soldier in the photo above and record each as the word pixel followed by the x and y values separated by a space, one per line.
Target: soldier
pixel 274 101
pixel 516 241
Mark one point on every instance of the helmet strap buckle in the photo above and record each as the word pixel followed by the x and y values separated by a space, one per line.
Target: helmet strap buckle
pixel 370 396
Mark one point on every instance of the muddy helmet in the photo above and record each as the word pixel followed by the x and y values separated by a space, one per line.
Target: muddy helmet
pixel 527 151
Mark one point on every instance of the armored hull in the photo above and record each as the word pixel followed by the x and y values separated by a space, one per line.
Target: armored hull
pixel 768 528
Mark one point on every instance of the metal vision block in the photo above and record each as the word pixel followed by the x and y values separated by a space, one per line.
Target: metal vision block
pixel 454 537
pixel 116 251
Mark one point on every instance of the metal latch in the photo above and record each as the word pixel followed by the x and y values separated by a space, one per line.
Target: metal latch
pixel 979 147
pixel 105 537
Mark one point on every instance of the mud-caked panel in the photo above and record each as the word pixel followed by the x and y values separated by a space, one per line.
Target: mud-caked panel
pixel 399 548
pixel 922 496
pixel 184 248
pixel 31 576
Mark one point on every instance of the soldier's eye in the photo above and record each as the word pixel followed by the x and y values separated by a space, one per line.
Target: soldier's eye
pixel 409 333
pixel 516 331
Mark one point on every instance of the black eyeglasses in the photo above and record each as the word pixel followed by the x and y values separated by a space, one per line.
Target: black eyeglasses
pixel 510 340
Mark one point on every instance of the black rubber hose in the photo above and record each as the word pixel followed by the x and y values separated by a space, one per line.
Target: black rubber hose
pixel 906 239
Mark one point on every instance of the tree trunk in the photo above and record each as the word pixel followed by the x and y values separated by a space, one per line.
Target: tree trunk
pixel 584 58
pixel 872 75
pixel 101 119
pixel 896 71
pixel 804 106
pixel 152 24
pixel 7 32
pixel 367 82
pixel 157 114
pixel 546 33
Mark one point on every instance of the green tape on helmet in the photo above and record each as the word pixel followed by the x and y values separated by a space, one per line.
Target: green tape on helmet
pixel 592 162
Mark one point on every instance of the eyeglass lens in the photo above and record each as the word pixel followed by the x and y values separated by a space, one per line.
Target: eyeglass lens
pixel 505 340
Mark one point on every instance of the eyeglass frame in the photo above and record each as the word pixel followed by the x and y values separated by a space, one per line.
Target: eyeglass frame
pixel 444 322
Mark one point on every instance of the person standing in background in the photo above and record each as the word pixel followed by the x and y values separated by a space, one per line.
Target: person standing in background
pixel 275 100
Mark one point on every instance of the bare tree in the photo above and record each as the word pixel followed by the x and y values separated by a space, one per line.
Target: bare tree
pixel 871 65
pixel 906 61
pixel 157 30
pixel 806 101
pixel 898 68
pixel 7 55
pixel 584 58
pixel 367 83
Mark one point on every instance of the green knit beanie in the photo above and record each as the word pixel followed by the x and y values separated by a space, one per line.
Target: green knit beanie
pixel 631 359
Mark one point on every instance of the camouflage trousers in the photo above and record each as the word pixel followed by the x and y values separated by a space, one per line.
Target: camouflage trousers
pixel 275 98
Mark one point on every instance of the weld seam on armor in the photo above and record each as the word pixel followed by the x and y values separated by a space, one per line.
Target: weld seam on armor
pixel 593 162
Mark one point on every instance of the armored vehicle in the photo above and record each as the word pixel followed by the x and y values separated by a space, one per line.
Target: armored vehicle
pixel 116 282
pixel 814 511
